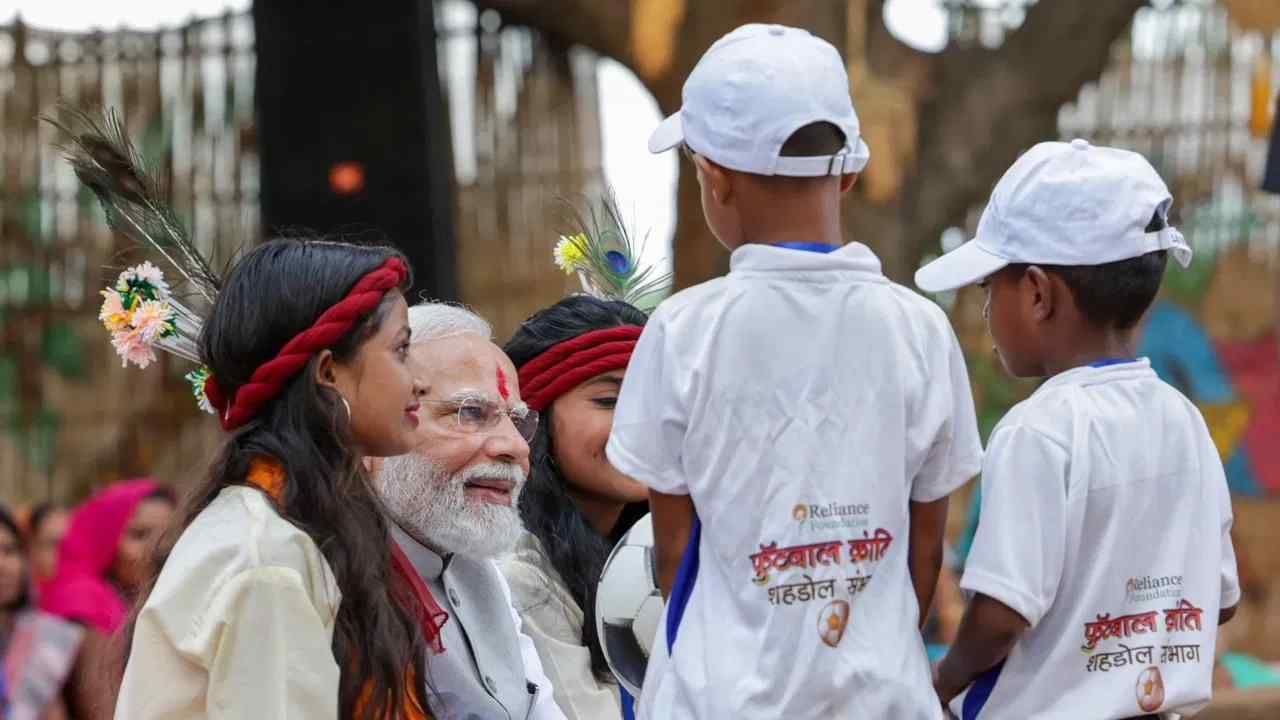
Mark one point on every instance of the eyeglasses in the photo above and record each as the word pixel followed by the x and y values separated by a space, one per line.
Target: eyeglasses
pixel 473 415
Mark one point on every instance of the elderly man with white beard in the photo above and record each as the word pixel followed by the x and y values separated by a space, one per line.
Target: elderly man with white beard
pixel 453 503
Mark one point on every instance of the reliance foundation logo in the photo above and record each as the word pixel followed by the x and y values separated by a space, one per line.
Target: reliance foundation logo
pixel 1148 587
pixel 831 516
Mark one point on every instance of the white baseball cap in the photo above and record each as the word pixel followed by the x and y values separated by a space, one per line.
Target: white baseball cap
pixel 1064 204
pixel 755 87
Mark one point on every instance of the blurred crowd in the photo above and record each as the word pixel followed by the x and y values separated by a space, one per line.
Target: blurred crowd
pixel 68 578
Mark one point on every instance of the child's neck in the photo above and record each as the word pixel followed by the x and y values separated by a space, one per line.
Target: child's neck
pixel 809 234
pixel 803 218
pixel 1092 345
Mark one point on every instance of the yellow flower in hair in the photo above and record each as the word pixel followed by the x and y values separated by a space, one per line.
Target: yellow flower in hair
pixel 569 254
pixel 113 315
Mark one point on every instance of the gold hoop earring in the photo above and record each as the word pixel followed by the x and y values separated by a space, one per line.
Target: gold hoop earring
pixel 346 406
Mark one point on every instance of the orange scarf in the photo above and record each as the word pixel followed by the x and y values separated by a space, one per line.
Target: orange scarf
pixel 267 475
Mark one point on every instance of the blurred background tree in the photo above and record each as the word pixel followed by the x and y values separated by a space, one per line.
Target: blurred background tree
pixel 942 126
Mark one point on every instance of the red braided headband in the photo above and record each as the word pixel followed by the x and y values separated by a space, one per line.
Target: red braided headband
pixel 572 362
pixel 271 377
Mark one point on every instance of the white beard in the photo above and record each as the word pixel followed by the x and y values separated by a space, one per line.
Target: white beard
pixel 431 505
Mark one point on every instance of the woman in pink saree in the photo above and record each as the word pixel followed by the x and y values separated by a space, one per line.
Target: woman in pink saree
pixel 101 565
pixel 98 562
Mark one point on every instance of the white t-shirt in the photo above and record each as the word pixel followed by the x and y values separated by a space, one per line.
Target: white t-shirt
pixel 801 401
pixel 1105 519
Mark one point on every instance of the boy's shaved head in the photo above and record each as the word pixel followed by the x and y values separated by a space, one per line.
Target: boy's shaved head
pixel 1116 295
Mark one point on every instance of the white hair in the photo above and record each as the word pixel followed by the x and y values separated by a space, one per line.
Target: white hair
pixel 433 320
pixel 431 504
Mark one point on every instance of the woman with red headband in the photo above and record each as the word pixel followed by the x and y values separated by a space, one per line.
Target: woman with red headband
pixel 571 358
pixel 279 595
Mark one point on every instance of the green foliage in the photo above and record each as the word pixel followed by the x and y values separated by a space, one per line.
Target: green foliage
pixel 31 216
pixel 1187 286
pixel 995 392
pixel 62 350
pixel 8 384
pixel 23 285
pixel 36 440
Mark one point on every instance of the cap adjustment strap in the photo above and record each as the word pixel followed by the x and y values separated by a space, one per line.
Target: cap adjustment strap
pixel 849 160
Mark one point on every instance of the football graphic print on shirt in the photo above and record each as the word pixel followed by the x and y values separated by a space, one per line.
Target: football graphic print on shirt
pixel 864 555
pixel 1150 690
pixel 832 621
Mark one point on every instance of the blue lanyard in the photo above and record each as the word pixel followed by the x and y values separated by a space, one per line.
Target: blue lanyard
pixel 808 247
pixel 1111 361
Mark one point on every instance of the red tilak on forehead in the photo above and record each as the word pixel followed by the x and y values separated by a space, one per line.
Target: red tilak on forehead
pixel 503 390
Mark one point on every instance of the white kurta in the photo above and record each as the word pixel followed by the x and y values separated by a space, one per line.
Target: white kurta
pixel 553 620
pixel 239 625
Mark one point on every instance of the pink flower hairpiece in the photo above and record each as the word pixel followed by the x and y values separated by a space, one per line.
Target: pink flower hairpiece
pixel 141 314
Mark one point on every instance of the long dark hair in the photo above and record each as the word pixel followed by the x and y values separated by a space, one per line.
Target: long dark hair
pixel 274 292
pixel 576 550
pixel 24 597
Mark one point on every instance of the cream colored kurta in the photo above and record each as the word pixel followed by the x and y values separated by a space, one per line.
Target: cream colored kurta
pixel 239 625
pixel 553 620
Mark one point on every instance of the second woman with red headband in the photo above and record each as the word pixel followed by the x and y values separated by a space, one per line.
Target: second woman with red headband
pixel 572 357
pixel 279 596
pixel 575 506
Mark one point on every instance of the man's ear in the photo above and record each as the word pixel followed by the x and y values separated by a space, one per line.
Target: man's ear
pixel 1041 287
pixel 848 181
pixel 716 179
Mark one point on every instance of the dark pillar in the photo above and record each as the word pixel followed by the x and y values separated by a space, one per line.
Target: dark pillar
pixel 353 128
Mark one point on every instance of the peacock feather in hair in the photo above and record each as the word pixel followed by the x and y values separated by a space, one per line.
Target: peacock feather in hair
pixel 106 162
pixel 139 311
pixel 601 251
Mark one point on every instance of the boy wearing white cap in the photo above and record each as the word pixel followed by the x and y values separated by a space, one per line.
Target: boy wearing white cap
pixel 814 414
pixel 1102 564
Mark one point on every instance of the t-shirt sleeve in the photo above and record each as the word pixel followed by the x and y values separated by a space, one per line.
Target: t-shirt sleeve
pixel 954 450
pixel 1018 552
pixel 650 420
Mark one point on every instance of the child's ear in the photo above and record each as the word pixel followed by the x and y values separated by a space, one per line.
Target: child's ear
pixel 1040 287
pixel 848 181
pixel 715 178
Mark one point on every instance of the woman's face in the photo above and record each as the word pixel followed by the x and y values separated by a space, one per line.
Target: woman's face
pixel 11 570
pixel 148 522
pixel 44 546
pixel 379 385
pixel 580 423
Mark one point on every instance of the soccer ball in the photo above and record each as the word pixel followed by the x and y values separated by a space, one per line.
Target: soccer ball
pixel 629 605
pixel 1150 690
pixel 832 621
